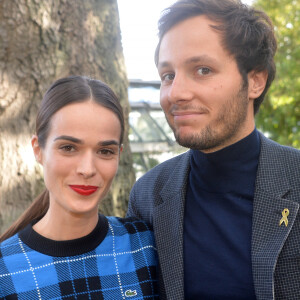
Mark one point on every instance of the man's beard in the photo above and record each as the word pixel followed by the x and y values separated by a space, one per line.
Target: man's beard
pixel 230 120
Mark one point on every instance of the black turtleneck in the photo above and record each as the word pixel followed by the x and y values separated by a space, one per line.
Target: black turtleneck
pixel 218 221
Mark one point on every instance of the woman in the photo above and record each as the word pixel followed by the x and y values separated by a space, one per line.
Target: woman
pixel 61 248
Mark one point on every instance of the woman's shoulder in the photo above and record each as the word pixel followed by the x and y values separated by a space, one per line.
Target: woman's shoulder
pixel 10 243
pixel 131 224
pixel 136 230
pixel 132 237
pixel 9 250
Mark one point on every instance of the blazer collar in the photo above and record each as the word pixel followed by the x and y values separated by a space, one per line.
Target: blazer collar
pixel 168 224
pixel 270 199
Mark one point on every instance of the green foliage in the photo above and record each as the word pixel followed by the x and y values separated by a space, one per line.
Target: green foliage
pixel 279 115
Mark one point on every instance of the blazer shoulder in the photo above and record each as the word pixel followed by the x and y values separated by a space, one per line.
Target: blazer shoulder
pixel 280 161
pixel 163 171
pixel 281 152
pixel 146 192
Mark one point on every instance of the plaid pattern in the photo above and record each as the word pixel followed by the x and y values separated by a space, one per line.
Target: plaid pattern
pixel 123 266
pixel 159 196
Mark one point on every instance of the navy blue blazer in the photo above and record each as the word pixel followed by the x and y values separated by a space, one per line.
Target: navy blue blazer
pixel 158 198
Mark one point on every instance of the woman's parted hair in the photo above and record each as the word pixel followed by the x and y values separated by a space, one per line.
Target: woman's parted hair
pixel 64 91
pixel 247 33
pixel 70 90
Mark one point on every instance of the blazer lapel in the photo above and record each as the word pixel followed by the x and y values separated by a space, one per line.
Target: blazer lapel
pixel 268 237
pixel 168 224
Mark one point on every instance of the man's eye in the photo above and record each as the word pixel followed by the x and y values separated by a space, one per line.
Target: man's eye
pixel 168 77
pixel 203 71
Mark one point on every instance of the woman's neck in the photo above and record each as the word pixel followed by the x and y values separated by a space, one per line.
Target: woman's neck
pixel 66 226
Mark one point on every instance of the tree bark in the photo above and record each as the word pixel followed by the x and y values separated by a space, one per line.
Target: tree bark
pixel 41 41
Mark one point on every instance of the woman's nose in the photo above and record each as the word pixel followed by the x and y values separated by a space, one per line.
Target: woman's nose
pixel 86 165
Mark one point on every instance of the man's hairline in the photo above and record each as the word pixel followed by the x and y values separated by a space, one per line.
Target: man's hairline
pixel 182 20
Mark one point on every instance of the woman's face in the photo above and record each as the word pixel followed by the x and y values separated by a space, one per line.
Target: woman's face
pixel 81 156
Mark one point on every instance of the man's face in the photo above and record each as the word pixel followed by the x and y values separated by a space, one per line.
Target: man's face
pixel 202 94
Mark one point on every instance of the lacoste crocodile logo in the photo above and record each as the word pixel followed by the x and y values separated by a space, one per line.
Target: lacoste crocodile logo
pixel 130 293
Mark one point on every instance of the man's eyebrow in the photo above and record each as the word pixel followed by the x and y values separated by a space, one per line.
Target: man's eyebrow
pixel 200 59
pixel 163 64
pixel 190 60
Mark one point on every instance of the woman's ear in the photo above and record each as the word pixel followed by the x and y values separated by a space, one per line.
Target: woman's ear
pixel 37 150
pixel 256 83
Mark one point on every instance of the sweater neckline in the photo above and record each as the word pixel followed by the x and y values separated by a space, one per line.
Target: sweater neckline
pixel 238 152
pixel 219 172
pixel 65 248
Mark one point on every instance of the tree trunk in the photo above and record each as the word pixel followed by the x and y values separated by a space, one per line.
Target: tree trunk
pixel 41 41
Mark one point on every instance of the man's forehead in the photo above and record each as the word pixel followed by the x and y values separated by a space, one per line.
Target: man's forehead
pixel 191 41
pixel 190 61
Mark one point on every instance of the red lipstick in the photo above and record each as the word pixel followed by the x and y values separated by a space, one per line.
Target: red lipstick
pixel 84 190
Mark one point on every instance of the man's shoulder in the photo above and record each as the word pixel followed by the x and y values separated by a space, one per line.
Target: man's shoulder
pixel 278 161
pixel 146 192
pixel 270 147
pixel 165 169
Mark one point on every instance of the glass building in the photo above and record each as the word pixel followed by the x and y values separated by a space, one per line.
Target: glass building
pixel 151 139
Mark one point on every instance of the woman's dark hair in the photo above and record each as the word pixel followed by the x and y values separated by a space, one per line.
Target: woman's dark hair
pixel 247 34
pixel 73 89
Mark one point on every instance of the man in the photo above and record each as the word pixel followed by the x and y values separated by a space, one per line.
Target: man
pixel 225 213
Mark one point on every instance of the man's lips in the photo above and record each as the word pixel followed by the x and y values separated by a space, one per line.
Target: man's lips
pixel 182 115
pixel 84 190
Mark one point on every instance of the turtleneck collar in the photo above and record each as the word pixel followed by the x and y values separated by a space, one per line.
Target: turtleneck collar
pixel 221 170
pixel 65 248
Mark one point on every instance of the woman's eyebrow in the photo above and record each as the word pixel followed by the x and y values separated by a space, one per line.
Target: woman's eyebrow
pixel 78 141
pixel 69 138
pixel 108 143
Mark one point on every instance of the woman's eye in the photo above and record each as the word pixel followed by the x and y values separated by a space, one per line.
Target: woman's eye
pixel 203 71
pixel 106 152
pixel 67 148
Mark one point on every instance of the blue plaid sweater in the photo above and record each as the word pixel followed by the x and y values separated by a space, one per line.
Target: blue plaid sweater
pixel 116 261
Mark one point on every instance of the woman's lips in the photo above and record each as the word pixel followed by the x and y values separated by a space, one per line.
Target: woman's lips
pixel 84 190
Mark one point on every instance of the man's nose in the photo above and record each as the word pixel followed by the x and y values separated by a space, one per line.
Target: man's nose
pixel 180 90
pixel 86 165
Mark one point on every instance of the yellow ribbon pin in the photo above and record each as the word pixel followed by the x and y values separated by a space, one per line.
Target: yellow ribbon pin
pixel 284 218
